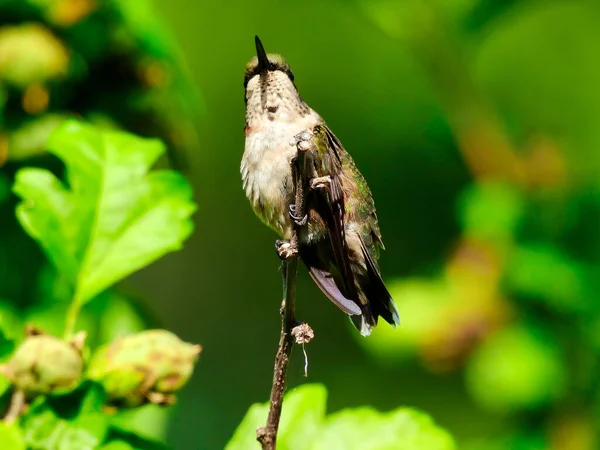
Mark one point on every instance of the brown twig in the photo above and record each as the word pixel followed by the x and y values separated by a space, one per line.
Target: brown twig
pixel 267 436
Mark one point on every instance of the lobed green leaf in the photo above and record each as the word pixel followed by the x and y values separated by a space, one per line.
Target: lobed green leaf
pixel 114 216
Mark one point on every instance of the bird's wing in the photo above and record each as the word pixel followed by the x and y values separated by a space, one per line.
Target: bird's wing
pixel 354 289
pixel 330 205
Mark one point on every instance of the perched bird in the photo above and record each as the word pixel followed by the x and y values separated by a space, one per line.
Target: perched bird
pixel 340 235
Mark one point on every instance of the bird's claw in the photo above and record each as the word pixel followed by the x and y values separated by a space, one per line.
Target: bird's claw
pixel 285 249
pixel 300 221
pixel 320 182
pixel 302 140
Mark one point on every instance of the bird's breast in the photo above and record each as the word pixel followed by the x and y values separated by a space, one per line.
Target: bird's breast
pixel 266 173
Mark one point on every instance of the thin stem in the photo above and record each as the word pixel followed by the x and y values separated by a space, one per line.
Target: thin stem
pixel 17 404
pixel 72 315
pixel 267 435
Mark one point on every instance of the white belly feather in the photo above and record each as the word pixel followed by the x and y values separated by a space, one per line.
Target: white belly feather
pixel 266 171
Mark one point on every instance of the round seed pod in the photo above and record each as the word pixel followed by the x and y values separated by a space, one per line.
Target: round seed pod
pixel 149 366
pixel 45 363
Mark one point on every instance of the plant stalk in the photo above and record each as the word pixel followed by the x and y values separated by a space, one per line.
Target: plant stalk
pixel 267 436
pixel 71 317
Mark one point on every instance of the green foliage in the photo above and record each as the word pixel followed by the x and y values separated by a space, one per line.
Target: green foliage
pixel 494 263
pixel 114 64
pixel 11 436
pixel 366 428
pixel 45 429
pixel 301 418
pixel 76 422
pixel 115 218
pixel 77 48
pixel 304 426
pixel 149 422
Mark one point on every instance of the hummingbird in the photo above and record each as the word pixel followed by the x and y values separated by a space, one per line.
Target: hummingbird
pixel 339 239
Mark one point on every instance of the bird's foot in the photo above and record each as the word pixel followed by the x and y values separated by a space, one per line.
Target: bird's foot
pixel 302 140
pixel 320 182
pixel 285 249
pixel 300 221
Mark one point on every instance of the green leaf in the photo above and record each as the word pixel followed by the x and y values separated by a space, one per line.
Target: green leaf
pixel 304 427
pixel 93 398
pixel 46 431
pixel 52 287
pixel 117 445
pixel 148 421
pixel 302 415
pixel 245 434
pixel 30 138
pixel 11 437
pixel 68 422
pixel 134 441
pixel 114 217
pixel 367 429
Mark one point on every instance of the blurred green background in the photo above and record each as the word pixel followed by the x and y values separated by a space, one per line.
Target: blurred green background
pixel 475 123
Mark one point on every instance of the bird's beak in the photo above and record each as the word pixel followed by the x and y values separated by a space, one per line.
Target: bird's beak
pixel 263 61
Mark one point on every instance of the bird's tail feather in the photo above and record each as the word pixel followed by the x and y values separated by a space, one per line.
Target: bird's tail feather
pixel 379 300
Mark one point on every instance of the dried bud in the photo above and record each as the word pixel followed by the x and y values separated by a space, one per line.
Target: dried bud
pixel 303 333
pixel 44 363
pixel 145 367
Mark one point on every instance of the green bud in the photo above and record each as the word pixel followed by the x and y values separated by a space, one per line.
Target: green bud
pixel 149 366
pixel 20 65
pixel 44 363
